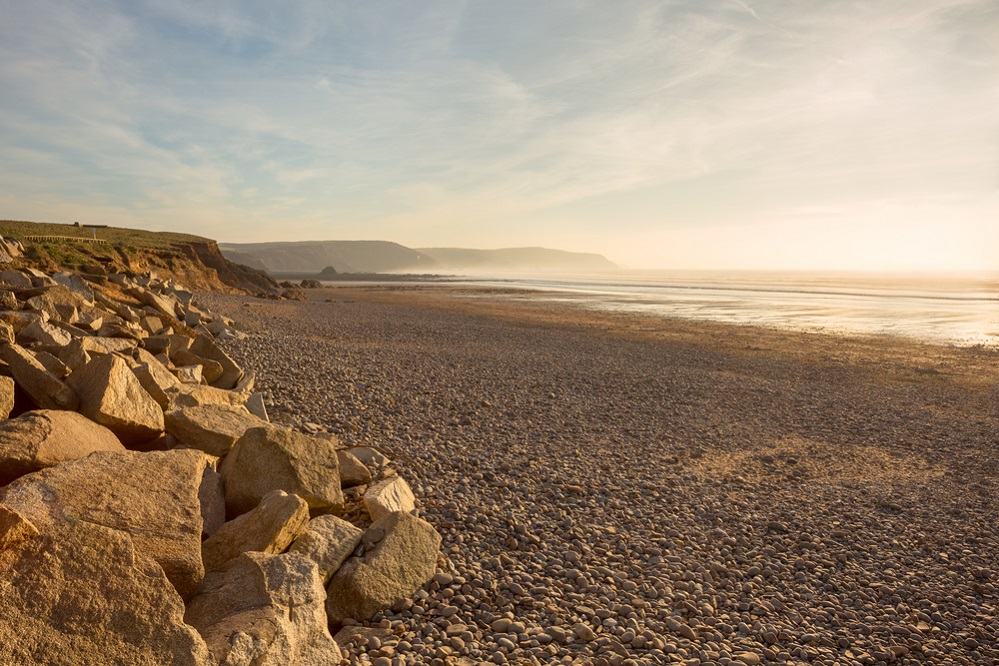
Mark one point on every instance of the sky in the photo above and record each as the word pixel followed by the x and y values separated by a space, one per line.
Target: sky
pixel 814 134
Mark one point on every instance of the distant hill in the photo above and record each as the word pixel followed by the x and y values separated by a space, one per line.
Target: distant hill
pixel 385 257
pixel 517 259
pixel 314 256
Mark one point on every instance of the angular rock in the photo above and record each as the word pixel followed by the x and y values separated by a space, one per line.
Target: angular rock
pixel 255 405
pixel 264 610
pixel 206 348
pixel 74 283
pixel 6 396
pixel 17 320
pixel 154 497
pixel 165 305
pixel 152 324
pixel 269 528
pixel 210 428
pixel 52 364
pixel 44 333
pixel 6 333
pixel 271 458
pixel 15 279
pixel 189 374
pixel 191 395
pixel 210 370
pixel 352 471
pixel 387 496
pixel 45 389
pixel 84 594
pixel 43 438
pixel 328 541
pixel 400 556
pixel 97 345
pixel 372 458
pixel 156 380
pixel 112 396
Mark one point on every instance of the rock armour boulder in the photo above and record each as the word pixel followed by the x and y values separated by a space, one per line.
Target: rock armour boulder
pixel 84 594
pixel 400 556
pixel 269 528
pixel 154 497
pixel 112 396
pixel 272 458
pixel 44 438
pixel 264 610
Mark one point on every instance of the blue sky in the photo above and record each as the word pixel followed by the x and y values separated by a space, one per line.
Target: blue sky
pixel 737 134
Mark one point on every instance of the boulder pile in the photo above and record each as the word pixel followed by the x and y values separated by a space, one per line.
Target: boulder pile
pixel 150 513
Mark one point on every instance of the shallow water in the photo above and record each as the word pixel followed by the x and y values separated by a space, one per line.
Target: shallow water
pixel 950 308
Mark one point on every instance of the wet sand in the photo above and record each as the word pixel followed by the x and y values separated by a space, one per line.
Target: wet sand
pixel 620 488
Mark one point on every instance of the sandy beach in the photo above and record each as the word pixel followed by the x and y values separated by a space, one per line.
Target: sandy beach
pixel 625 489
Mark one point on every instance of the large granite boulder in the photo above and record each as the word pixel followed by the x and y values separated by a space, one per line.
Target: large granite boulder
pixel 269 528
pixel 45 389
pixel 264 610
pixel 112 396
pixel 84 594
pixel 154 497
pixel 328 541
pixel 272 458
pixel 388 495
pixel 210 428
pixel 400 555
pixel 40 439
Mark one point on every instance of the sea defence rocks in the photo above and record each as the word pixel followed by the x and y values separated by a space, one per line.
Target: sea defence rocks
pixel 269 528
pixel 45 438
pixel 400 555
pixel 387 496
pixel 211 428
pixel 328 541
pixel 271 458
pixel 265 610
pixel 45 389
pixel 112 396
pixel 153 497
pixel 127 436
pixel 85 594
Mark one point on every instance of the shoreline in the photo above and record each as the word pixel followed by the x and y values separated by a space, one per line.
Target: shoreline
pixel 975 363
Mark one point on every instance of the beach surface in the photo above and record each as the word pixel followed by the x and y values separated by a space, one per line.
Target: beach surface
pixel 628 489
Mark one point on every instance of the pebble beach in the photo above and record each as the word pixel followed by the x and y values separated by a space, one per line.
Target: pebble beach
pixel 637 490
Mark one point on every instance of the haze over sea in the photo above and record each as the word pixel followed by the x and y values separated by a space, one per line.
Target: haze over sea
pixel 958 309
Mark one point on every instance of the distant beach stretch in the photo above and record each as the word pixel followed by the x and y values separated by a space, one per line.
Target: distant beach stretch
pixel 952 309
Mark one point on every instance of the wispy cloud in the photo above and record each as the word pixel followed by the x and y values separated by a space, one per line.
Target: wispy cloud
pixel 591 125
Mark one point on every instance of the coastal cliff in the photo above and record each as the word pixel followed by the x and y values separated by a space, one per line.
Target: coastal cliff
pixel 100 250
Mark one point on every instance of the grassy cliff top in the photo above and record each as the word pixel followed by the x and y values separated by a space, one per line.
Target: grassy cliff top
pixel 130 237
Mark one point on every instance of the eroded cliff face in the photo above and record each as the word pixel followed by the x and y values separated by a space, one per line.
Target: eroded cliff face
pixel 197 264
pixel 232 274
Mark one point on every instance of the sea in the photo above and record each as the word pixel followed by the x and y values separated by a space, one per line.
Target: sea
pixel 951 308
